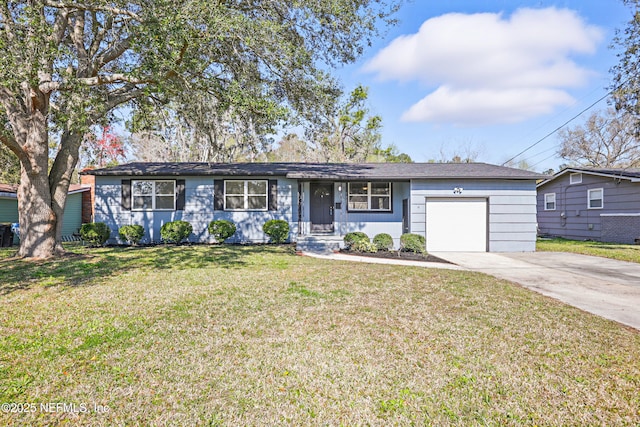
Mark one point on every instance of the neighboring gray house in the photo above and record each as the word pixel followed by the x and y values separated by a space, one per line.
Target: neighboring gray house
pixel 591 204
pixel 458 207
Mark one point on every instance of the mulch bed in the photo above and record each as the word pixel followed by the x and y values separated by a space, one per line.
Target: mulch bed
pixel 409 256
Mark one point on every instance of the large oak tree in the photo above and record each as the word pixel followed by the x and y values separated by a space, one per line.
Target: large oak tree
pixel 66 65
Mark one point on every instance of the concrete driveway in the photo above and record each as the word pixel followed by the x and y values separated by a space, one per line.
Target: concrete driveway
pixel 602 286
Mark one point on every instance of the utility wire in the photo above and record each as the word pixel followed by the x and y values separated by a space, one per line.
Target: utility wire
pixel 558 128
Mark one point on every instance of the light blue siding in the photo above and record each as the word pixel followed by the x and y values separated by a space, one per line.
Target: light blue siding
pixel 371 223
pixel 198 210
pixel 511 204
pixel 511 210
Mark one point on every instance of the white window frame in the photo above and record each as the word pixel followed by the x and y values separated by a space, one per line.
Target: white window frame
pixel 589 199
pixel 575 178
pixel 246 195
pixel 369 197
pixel 153 195
pixel 550 198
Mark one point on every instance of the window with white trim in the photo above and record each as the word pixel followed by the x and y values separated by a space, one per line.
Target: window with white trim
pixel 369 196
pixel 575 178
pixel 159 195
pixel 550 202
pixel 596 198
pixel 246 195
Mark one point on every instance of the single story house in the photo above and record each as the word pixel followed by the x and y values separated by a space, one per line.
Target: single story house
pixel 77 197
pixel 457 207
pixel 591 204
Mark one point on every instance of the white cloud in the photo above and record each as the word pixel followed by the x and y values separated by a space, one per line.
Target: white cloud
pixel 488 68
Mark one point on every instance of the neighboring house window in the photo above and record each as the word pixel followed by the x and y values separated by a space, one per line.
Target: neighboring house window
pixel 550 202
pixel 246 195
pixel 153 195
pixel 575 178
pixel 369 196
pixel 596 198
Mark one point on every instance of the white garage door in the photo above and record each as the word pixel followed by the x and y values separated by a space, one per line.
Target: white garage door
pixel 456 225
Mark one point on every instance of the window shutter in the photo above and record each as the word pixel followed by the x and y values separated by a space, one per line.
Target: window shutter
pixel 125 200
pixel 218 195
pixel 273 195
pixel 180 197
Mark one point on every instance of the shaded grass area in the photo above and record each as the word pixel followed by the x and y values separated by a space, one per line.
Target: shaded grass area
pixel 608 250
pixel 208 335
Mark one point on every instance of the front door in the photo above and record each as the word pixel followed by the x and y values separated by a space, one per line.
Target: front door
pixel 321 207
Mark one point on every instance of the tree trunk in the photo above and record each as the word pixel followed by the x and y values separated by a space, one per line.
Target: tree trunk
pixel 60 177
pixel 38 221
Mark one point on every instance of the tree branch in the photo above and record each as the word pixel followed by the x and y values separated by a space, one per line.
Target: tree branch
pixel 93 8
pixel 99 34
pixel 7 21
pixel 59 27
pixel 77 36
pixel 49 86
pixel 114 100
pixel 112 53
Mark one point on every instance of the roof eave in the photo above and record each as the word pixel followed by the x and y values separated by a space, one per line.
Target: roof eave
pixel 576 170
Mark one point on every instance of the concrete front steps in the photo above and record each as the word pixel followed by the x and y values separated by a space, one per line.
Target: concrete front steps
pixel 319 243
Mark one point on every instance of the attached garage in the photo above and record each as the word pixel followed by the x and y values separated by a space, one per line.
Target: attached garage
pixel 456 224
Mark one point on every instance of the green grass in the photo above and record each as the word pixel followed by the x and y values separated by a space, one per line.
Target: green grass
pixel 210 335
pixel 608 250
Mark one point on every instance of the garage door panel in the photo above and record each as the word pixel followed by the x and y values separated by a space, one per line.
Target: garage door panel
pixel 456 225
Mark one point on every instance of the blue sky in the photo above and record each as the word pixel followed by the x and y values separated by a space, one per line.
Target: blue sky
pixel 491 76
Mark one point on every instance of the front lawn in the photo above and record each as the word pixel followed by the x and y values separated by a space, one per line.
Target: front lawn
pixel 207 335
pixel 608 250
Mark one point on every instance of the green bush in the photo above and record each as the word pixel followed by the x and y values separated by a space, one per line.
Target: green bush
pixel 96 233
pixel 221 229
pixel 354 236
pixel 175 231
pixel 410 242
pixel 363 246
pixel 277 230
pixel 383 241
pixel 131 233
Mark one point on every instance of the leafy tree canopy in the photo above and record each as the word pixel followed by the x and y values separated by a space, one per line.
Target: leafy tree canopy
pixel 67 65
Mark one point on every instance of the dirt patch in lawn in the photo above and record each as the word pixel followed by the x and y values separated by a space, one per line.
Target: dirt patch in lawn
pixel 407 256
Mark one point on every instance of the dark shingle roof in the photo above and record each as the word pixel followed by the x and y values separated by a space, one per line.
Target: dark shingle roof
pixel 631 174
pixel 628 172
pixel 347 171
pixel 13 188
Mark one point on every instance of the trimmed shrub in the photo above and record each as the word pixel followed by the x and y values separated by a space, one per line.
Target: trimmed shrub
pixel 221 229
pixel 131 233
pixel 383 242
pixel 363 246
pixel 277 230
pixel 354 236
pixel 410 242
pixel 175 231
pixel 96 233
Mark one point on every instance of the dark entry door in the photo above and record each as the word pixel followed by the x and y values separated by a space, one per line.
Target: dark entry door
pixel 321 207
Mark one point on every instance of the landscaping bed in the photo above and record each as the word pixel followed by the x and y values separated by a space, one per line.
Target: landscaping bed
pixel 400 255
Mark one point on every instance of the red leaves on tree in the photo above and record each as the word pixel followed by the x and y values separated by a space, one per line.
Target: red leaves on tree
pixel 107 149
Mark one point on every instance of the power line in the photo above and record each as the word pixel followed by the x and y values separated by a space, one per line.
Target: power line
pixel 558 128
